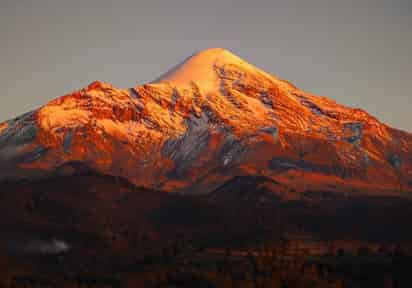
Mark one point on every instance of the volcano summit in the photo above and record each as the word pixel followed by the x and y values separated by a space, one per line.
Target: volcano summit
pixel 210 119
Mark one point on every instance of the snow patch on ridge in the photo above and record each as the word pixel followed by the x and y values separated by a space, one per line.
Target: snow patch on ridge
pixel 67 142
pixel 353 132
pixel 185 149
pixel 33 155
pixel 19 131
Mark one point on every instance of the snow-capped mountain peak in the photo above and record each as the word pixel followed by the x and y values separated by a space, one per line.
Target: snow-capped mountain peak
pixel 212 117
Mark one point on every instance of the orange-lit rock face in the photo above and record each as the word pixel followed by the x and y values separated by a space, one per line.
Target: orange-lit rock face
pixel 211 118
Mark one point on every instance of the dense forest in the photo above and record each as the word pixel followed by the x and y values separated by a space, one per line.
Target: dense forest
pixel 93 230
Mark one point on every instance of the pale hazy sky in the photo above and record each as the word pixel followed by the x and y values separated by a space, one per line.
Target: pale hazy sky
pixel 358 52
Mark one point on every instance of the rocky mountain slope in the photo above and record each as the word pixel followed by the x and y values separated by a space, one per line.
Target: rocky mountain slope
pixel 209 119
